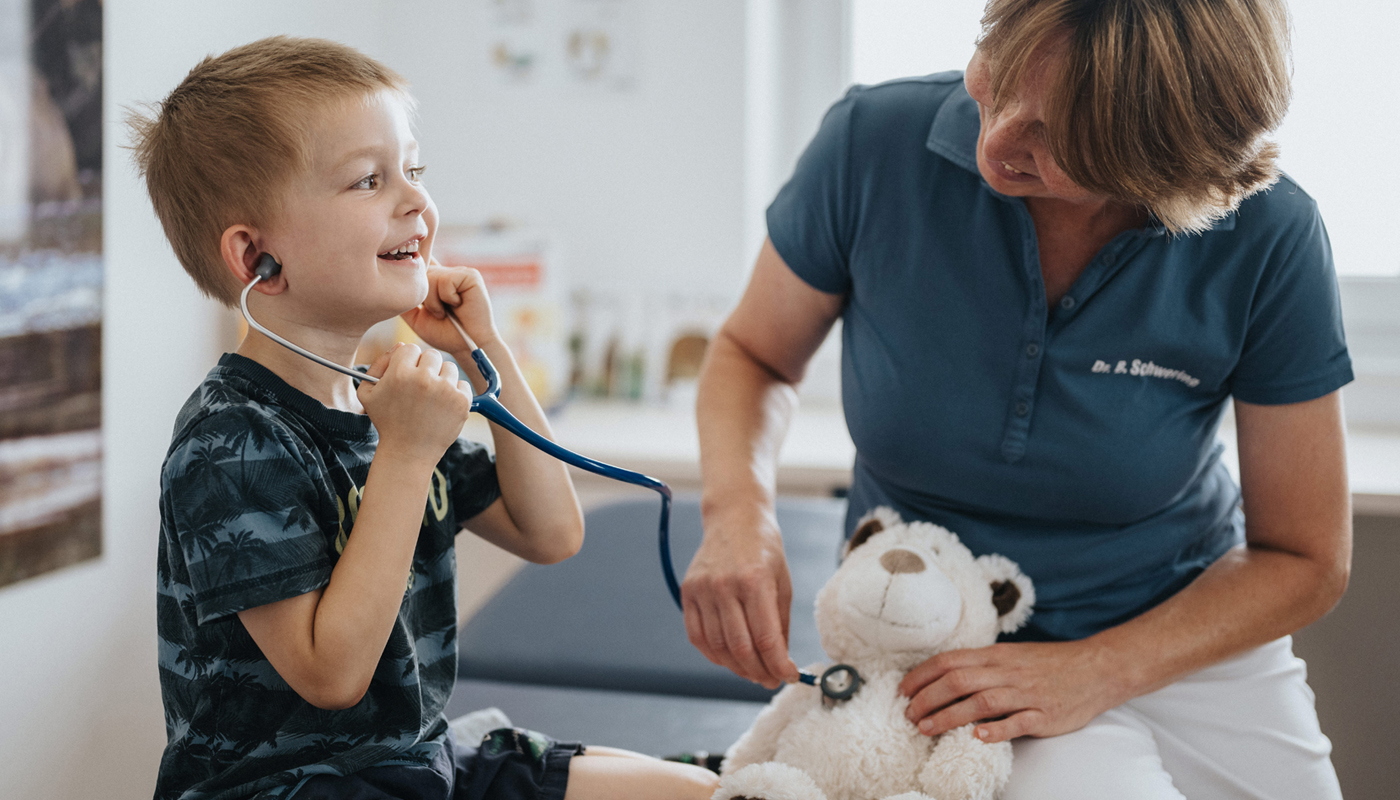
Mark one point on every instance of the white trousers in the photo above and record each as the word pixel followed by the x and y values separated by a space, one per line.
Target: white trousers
pixel 1243 728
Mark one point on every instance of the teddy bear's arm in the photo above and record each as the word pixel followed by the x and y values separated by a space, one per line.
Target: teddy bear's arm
pixel 962 767
pixel 760 742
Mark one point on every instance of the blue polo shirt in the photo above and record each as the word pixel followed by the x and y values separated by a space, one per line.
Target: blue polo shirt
pixel 1077 439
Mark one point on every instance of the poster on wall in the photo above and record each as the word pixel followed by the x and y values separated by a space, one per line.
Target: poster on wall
pixel 50 285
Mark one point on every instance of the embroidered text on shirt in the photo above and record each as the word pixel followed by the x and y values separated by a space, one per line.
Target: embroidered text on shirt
pixel 1145 369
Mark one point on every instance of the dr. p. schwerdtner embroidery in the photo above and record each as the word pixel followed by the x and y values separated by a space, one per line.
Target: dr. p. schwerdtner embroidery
pixel 1146 369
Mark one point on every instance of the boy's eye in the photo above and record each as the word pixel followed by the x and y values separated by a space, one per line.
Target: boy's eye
pixel 415 174
pixel 370 181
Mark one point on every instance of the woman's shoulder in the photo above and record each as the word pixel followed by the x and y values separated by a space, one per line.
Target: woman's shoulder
pixel 915 87
pixel 893 120
pixel 1278 208
pixel 903 99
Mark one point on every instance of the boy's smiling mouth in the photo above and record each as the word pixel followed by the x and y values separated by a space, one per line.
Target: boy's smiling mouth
pixel 403 252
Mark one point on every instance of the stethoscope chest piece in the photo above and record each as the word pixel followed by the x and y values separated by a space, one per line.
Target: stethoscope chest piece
pixel 840 682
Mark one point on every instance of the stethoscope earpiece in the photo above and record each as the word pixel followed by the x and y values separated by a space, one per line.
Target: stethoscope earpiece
pixel 267 267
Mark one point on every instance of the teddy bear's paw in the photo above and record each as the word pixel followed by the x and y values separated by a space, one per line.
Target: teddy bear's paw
pixel 966 780
pixel 768 781
pixel 965 768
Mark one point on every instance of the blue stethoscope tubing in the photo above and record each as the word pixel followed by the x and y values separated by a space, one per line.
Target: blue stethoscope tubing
pixel 488 404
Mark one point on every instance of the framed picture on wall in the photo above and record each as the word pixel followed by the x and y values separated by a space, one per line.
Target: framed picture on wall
pixel 50 285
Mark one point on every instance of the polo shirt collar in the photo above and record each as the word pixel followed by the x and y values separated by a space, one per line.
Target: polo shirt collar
pixel 954 132
pixel 955 129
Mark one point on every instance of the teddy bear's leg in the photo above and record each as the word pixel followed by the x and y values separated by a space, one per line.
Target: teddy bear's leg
pixel 768 781
pixel 962 767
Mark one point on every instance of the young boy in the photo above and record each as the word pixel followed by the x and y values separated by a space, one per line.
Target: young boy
pixel 307 587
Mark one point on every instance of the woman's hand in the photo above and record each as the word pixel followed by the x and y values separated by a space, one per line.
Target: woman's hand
pixel 737 598
pixel 1023 688
pixel 738 594
pixel 453 290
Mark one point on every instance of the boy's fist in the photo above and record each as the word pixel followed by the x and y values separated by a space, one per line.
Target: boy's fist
pixel 419 404
pixel 458 290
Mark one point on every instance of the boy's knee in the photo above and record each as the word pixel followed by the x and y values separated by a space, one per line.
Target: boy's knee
pixel 700 782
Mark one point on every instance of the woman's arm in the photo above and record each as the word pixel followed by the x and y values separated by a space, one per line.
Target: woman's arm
pixel 1292 570
pixel 737 594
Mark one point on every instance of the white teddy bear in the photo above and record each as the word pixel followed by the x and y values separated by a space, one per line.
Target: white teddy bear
pixel 903 593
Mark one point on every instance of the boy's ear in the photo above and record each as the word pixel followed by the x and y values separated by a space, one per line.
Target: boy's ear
pixel 240 252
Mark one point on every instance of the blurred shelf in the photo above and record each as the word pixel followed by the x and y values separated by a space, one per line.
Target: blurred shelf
pixel 818 453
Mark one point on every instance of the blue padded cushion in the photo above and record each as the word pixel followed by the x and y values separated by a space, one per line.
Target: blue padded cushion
pixel 604 619
pixel 657 725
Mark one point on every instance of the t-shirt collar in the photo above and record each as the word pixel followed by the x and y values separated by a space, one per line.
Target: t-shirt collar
pixel 954 132
pixel 329 419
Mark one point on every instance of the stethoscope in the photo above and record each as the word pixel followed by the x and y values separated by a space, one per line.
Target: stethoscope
pixel 838 683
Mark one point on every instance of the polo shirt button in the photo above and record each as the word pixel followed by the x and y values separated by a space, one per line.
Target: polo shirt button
pixel 1022 409
pixel 1032 350
pixel 1066 302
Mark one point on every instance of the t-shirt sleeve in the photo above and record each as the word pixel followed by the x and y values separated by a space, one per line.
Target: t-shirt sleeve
pixel 810 222
pixel 471 478
pixel 1294 347
pixel 242 507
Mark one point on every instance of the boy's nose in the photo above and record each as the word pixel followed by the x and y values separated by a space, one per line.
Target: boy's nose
pixel 416 199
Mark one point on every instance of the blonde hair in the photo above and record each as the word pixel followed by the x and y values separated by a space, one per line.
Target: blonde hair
pixel 222 147
pixel 1163 104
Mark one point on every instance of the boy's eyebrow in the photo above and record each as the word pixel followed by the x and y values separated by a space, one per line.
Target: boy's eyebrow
pixel 369 152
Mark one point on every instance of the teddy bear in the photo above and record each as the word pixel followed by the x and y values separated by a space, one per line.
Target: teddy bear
pixel 904 592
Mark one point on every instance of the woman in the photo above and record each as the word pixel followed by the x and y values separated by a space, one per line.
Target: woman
pixel 1053 272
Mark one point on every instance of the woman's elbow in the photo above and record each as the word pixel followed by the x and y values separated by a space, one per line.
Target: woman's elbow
pixel 1334 584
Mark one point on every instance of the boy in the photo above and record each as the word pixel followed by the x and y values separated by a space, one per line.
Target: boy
pixel 307 597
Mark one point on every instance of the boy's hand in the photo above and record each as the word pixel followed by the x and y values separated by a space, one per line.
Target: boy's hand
pixel 453 289
pixel 419 404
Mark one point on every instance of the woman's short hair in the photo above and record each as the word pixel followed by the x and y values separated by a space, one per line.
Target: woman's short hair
pixel 222 147
pixel 1160 103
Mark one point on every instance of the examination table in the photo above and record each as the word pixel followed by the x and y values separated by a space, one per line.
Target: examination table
pixel 594 649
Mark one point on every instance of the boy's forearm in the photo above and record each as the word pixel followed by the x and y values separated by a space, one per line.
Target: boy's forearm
pixel 535 486
pixel 359 607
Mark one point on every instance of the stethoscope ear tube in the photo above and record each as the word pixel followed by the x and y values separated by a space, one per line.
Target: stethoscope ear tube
pixel 301 351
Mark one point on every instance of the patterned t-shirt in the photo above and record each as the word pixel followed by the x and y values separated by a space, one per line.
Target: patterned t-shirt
pixel 259 495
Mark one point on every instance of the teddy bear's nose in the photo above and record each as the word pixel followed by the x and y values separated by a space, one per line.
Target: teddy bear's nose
pixel 897 561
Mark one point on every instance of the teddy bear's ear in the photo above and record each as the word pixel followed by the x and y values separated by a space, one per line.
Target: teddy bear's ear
pixel 1012 593
pixel 872 523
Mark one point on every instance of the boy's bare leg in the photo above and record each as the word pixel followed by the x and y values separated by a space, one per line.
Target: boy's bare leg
pixel 607 773
pixel 595 750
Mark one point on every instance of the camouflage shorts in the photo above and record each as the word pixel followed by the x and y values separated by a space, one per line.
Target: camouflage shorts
pixel 508 764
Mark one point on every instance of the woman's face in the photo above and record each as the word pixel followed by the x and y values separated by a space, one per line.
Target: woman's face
pixel 1011 151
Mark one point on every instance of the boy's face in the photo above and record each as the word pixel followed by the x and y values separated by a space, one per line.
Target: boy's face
pixel 356 228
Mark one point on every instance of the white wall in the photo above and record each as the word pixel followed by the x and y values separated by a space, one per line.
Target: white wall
pixel 643 187
pixel 637 188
